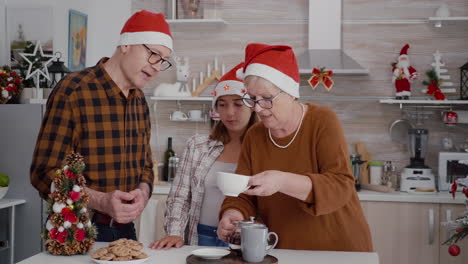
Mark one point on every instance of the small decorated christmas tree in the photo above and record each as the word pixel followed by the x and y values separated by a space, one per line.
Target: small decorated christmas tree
pixel 68 228
pixel 460 225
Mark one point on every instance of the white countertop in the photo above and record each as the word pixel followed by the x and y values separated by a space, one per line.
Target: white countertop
pixel 365 195
pixel 179 255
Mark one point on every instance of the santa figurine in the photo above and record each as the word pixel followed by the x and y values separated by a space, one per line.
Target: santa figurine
pixel 403 75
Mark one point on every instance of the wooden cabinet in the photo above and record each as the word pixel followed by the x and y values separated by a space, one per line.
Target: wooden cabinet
pixel 412 233
pixel 404 233
pixel 451 212
pixel 150 224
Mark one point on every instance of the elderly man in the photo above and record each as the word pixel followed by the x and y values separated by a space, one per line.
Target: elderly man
pixel 102 113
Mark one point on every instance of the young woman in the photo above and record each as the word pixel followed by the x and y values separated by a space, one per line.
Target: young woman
pixel 194 200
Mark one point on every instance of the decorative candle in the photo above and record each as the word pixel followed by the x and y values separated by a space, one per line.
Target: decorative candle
pixel 194 84
pixel 216 63
pixel 208 69
pixel 201 77
pixel 223 69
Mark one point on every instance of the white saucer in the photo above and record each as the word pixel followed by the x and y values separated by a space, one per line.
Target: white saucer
pixel 211 253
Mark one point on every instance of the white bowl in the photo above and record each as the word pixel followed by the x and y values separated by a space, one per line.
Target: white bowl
pixel 3 191
pixel 232 184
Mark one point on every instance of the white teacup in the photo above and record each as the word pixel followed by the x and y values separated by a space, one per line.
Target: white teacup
pixel 179 116
pixel 195 115
pixel 232 184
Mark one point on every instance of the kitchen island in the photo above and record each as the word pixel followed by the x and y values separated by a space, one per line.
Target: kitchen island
pixel 178 256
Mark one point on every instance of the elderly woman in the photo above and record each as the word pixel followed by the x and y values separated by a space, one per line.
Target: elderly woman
pixel 301 186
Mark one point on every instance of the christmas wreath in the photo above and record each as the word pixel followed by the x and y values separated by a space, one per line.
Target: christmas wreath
pixel 460 225
pixel 11 84
pixel 69 230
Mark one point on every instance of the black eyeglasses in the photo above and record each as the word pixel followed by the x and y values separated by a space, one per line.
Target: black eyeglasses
pixel 155 58
pixel 266 103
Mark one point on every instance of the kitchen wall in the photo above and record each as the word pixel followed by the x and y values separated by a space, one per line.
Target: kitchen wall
pixel 374 31
pixel 103 26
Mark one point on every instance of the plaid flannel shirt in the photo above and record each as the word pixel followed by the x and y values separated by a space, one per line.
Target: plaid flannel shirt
pixel 185 199
pixel 88 113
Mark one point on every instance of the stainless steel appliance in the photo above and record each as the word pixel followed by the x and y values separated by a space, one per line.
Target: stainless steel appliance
pixel 356 163
pixel 417 174
pixel 452 165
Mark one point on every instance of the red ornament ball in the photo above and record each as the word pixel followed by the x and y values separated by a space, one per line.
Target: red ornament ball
pixel 454 250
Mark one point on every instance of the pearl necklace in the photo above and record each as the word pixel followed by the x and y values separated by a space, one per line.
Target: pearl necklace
pixel 294 137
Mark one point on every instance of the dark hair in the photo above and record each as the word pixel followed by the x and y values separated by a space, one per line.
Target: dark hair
pixel 220 133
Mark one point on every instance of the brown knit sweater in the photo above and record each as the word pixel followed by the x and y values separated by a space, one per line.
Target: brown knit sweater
pixel 331 218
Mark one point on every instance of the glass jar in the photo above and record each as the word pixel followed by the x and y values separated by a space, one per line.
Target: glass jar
pixel 376 169
pixel 390 177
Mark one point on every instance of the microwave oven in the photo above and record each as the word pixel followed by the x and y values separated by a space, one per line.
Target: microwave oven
pixel 452 165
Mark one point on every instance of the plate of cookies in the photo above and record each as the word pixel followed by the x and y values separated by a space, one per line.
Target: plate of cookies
pixel 122 251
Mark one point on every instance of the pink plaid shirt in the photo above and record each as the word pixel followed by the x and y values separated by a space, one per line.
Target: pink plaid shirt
pixel 185 199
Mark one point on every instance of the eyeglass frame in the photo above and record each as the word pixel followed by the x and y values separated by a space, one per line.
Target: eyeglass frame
pixel 160 60
pixel 255 102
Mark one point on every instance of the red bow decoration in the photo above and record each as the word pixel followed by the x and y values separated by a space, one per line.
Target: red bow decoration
pixel 433 89
pixel 321 76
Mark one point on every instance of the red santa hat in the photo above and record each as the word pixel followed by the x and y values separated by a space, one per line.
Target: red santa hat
pixel 230 84
pixel 404 51
pixel 145 27
pixel 276 64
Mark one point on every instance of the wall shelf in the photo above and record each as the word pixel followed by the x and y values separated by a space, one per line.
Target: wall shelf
pixel 439 21
pixel 427 102
pixel 174 98
pixel 197 21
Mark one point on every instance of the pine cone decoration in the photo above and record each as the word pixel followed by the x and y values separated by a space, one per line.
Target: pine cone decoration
pixel 57 219
pixel 74 160
pixel 81 181
pixel 86 245
pixel 54 247
pixel 59 197
pixel 84 218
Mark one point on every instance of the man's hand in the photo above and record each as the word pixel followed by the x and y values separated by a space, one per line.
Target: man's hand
pixel 227 224
pixel 141 197
pixel 123 207
pixel 167 243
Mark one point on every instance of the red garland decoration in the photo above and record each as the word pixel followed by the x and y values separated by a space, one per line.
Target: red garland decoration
pixel 80 234
pixel 74 196
pixel 53 233
pixel 70 174
pixel 62 236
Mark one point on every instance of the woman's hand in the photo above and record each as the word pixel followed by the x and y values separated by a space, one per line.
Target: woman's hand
pixel 167 243
pixel 226 225
pixel 265 183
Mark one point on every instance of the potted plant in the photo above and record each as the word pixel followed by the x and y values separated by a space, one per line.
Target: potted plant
pixel 4 182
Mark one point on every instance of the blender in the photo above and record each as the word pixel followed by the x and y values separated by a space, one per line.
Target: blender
pixel 417 174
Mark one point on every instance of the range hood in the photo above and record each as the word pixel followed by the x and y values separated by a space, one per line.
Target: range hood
pixel 325 41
